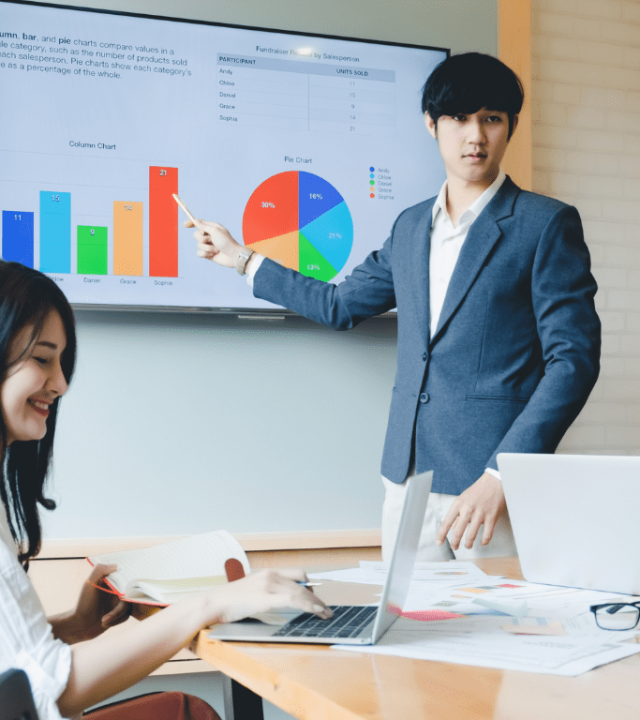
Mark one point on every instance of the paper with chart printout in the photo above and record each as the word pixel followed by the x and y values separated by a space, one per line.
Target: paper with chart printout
pixel 500 595
pixel 166 573
pixel 506 624
pixel 483 641
pixel 486 621
pixel 450 589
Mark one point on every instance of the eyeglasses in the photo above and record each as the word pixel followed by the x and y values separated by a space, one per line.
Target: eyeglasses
pixel 617 616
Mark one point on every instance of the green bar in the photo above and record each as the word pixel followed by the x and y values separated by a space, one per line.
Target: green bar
pixel 92 250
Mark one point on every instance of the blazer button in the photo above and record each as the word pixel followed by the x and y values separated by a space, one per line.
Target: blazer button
pixel 424 398
pixel 424 356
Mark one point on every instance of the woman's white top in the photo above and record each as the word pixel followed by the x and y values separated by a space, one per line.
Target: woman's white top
pixel 26 638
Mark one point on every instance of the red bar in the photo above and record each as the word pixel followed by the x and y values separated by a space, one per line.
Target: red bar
pixel 163 222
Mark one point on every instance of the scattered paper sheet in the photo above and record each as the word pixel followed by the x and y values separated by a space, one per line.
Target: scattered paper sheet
pixel 509 597
pixel 529 627
pixel 375 573
pixel 456 613
pixel 481 641
pixel 451 572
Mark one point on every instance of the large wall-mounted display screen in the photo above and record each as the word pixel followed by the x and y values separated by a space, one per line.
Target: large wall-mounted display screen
pixel 306 147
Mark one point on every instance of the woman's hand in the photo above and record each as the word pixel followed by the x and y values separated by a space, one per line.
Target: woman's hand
pixel 95 612
pixel 262 591
pixel 110 664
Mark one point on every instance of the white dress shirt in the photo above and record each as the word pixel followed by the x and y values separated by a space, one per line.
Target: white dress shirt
pixel 26 638
pixel 446 241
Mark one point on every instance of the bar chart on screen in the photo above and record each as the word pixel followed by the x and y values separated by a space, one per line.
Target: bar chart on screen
pixel 113 245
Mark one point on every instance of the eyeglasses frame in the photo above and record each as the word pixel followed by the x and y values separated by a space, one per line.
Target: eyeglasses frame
pixel 594 609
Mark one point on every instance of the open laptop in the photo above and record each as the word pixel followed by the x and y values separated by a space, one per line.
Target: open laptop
pixel 575 519
pixel 352 624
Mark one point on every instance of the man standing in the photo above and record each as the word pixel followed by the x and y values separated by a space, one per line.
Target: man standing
pixel 498 337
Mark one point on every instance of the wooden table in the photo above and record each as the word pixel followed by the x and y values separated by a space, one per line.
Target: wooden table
pixel 313 682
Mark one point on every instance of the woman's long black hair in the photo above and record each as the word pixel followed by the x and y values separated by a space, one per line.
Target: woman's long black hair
pixel 27 297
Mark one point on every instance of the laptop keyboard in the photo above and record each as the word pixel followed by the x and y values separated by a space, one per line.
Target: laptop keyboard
pixel 347 621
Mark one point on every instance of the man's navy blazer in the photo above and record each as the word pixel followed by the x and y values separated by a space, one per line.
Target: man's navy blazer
pixel 517 348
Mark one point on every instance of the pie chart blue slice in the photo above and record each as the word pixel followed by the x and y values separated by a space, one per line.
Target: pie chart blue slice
pixel 315 197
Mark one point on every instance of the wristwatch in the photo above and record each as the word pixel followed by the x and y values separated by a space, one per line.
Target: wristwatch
pixel 243 259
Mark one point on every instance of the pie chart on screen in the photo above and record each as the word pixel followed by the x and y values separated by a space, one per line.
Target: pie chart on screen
pixel 301 221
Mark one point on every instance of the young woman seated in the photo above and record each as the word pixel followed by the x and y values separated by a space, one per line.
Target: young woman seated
pixel 37 357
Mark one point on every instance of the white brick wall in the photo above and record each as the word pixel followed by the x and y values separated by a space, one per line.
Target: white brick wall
pixel 585 105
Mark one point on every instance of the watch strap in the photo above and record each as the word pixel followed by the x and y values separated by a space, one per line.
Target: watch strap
pixel 243 259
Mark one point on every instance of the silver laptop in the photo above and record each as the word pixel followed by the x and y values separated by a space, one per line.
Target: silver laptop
pixel 352 624
pixel 575 518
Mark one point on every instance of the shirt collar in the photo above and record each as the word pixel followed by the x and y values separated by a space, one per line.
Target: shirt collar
pixel 472 212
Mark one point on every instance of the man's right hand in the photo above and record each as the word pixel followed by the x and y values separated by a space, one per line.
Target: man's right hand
pixel 215 243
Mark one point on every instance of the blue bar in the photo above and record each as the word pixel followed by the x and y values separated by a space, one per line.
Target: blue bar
pixel 17 237
pixel 55 232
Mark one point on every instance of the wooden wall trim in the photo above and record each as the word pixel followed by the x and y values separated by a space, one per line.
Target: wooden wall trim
pixel 514 49
pixel 327 539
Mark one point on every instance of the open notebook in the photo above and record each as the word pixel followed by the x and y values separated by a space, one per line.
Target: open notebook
pixel 163 574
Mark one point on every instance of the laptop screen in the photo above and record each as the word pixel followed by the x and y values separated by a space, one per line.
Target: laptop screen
pixel 404 553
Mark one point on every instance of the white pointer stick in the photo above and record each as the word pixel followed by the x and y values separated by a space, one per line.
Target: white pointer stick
pixel 185 208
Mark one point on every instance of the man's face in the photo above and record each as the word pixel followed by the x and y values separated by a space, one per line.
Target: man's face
pixel 472 145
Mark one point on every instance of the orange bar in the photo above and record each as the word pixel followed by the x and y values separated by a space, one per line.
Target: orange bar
pixel 127 238
pixel 163 222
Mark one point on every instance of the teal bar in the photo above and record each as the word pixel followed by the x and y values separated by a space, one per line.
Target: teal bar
pixel 55 232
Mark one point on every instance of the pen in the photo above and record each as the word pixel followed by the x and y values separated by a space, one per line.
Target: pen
pixel 305 583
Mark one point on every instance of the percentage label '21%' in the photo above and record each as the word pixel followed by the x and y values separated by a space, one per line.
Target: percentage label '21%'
pixel 268 205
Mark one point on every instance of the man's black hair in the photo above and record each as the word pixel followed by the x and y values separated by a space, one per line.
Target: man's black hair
pixel 469 82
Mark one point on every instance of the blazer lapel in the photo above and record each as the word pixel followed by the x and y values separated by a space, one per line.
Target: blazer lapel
pixel 483 235
pixel 418 257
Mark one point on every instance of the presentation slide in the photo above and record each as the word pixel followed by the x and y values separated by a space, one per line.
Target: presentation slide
pixel 305 147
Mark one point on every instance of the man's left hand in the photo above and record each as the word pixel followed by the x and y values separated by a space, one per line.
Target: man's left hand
pixel 480 504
